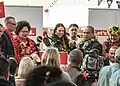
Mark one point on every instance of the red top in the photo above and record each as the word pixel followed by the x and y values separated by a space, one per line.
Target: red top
pixel 16 47
pixel 19 50
pixel 27 48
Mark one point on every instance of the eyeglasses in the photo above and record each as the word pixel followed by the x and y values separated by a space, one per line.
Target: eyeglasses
pixel 12 23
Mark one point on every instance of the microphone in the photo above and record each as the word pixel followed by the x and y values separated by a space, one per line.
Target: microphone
pixel 45 33
pixel 46 39
pixel 39 39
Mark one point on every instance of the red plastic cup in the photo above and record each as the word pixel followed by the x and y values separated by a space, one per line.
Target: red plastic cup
pixel 63 57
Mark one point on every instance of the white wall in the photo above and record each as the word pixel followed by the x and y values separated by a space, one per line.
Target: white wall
pixel 32 14
pixel 67 15
pixel 62 11
pixel 49 19
pixel 28 2
pixel 46 3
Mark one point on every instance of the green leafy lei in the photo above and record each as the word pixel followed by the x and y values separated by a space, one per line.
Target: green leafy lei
pixel 86 44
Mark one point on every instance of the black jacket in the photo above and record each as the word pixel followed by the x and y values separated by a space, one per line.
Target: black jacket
pixel 55 41
pixel 4 82
pixel 7 46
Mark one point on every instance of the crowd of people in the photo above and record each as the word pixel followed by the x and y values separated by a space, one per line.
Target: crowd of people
pixel 90 62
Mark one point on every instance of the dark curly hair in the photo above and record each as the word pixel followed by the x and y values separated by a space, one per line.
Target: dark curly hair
pixel 39 38
pixel 22 24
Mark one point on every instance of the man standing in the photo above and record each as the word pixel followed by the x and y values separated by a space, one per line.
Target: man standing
pixel 113 39
pixel 74 40
pixel 110 75
pixel 1 43
pixel 89 41
pixel 7 36
pixel 73 69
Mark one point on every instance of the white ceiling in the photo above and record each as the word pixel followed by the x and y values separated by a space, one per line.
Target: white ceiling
pixel 47 3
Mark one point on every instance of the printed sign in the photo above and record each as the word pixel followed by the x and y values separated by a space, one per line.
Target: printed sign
pixel 2 10
pixel 32 32
pixel 101 32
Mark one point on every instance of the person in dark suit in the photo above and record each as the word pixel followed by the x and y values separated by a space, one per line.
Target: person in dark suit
pixel 7 37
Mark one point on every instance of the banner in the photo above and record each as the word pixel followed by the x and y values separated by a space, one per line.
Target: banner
pixel 2 10
pixel 101 33
pixel 32 32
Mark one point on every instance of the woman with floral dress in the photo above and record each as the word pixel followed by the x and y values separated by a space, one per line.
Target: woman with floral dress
pixel 27 45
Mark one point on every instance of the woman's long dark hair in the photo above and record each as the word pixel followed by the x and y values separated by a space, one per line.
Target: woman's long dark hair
pixel 59 25
pixel 64 36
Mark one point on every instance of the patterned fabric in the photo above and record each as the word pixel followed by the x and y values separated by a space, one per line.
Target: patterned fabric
pixel 18 51
pixel 16 47
pixel 29 49
pixel 107 45
pixel 87 45
pixel 61 44
pixel 114 30
pixel 55 41
pixel 92 62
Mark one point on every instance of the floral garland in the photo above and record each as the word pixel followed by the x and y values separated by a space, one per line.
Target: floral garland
pixel 114 30
pixel 87 43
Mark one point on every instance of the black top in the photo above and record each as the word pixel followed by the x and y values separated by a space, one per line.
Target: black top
pixel 7 46
pixel 4 82
pixel 57 42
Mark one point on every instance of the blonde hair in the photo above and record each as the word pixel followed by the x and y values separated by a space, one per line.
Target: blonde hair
pixel 35 57
pixel 51 57
pixel 25 66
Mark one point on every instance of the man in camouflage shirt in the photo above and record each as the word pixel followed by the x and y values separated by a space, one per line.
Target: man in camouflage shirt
pixel 89 41
pixel 92 55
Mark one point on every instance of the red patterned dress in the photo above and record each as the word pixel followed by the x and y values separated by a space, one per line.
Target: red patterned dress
pixel 27 48
pixel 20 51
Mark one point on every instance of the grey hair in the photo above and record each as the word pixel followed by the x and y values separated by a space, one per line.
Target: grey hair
pixel 75 54
pixel 8 18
